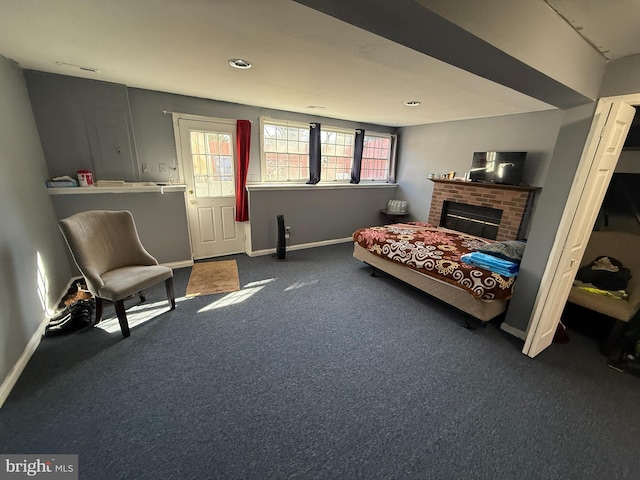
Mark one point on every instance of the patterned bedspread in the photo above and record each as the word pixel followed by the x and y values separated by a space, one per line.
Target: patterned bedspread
pixel 435 251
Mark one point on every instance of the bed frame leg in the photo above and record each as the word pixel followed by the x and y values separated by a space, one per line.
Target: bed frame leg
pixel 468 326
pixel 373 272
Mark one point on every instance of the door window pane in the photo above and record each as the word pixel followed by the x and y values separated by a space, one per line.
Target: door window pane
pixel 212 157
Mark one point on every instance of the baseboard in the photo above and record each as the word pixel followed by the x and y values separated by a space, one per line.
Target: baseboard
pixel 180 264
pixel 516 332
pixel 15 372
pixel 302 246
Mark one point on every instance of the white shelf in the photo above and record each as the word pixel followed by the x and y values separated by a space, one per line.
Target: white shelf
pixel 135 187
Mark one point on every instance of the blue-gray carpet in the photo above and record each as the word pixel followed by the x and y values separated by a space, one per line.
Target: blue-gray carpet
pixel 317 370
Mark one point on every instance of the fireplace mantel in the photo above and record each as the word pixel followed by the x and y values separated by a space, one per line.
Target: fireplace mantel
pixel 525 188
pixel 514 201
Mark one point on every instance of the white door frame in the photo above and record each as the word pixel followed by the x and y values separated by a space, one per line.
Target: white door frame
pixel 564 229
pixel 180 161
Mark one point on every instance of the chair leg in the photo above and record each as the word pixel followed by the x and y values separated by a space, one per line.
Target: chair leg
pixel 98 310
pixel 609 345
pixel 142 295
pixel 168 283
pixel 122 318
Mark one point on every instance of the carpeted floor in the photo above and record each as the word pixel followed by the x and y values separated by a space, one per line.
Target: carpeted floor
pixel 313 370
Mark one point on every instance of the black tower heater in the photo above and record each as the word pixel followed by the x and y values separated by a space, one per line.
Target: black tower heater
pixel 281 246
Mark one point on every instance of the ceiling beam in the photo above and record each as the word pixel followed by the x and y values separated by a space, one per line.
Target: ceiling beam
pixel 413 25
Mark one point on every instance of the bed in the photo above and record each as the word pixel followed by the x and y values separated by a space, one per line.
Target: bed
pixel 428 258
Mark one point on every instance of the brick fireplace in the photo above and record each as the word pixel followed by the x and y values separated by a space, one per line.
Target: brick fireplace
pixel 514 201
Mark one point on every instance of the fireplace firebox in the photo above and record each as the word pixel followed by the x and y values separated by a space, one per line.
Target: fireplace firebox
pixel 472 219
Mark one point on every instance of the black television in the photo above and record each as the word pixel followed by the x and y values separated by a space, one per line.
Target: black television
pixel 497 167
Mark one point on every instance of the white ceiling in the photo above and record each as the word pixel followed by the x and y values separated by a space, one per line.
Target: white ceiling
pixel 303 61
pixel 611 27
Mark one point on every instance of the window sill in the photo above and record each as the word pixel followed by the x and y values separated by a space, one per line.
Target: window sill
pixel 261 187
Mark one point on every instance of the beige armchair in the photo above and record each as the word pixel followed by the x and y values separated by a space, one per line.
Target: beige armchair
pixel 108 252
pixel 622 246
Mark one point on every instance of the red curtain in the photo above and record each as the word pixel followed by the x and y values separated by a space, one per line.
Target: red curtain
pixel 243 146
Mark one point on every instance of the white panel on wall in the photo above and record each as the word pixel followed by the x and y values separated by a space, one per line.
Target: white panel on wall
pixel 111 152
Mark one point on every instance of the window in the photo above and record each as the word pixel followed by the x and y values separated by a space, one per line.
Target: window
pixel 285 149
pixel 285 153
pixel 337 154
pixel 376 156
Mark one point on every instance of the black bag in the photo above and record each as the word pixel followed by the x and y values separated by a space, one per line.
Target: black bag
pixel 603 279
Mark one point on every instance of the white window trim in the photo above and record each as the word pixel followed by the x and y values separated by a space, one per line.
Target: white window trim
pixel 263 159
pixel 351 131
pixel 346 131
pixel 368 133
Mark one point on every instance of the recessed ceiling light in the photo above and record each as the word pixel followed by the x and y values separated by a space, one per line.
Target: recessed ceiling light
pixel 239 63
pixel 412 103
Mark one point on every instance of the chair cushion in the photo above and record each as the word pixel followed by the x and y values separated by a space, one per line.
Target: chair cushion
pixel 620 309
pixel 123 282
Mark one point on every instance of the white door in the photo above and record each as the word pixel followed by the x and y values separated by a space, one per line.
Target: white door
pixel 598 162
pixel 208 162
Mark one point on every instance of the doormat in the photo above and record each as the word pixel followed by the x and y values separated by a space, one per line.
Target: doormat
pixel 213 277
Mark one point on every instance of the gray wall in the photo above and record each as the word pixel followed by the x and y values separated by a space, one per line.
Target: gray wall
pixel 154 134
pixel 154 130
pixel 554 140
pixel 63 106
pixel 83 124
pixel 622 77
pixel 443 147
pixel 576 125
pixel 316 214
pixel 28 222
pixel 160 219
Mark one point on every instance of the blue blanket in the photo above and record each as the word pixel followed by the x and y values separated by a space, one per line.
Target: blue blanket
pixel 489 262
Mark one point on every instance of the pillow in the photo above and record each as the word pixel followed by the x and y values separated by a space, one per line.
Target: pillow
pixel 510 250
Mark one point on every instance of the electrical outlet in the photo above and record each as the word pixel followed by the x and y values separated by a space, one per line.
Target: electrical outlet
pixel 163 168
pixel 145 168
